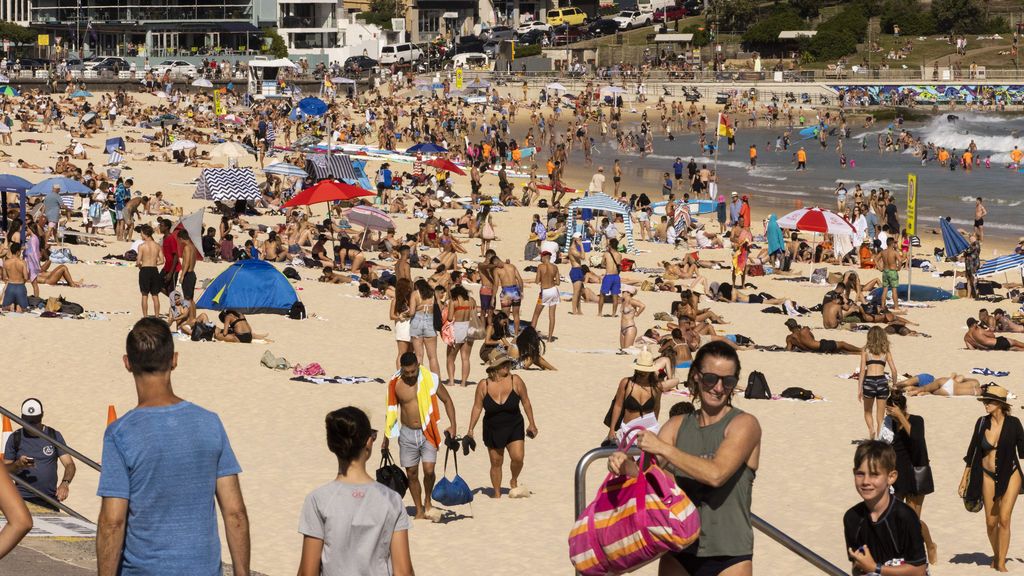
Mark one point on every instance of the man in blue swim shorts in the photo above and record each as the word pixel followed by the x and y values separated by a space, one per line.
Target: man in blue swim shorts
pixel 576 274
pixel 611 283
pixel 15 295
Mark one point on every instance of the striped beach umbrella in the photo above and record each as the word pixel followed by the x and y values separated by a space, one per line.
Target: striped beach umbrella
pixel 285 169
pixel 1001 264
pixel 370 218
pixel 816 220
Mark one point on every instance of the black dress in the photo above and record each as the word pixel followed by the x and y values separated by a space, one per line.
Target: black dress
pixel 911 450
pixel 503 423
pixel 1009 449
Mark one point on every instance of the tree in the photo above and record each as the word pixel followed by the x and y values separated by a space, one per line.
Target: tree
pixel 766 31
pixel 734 14
pixel 17 34
pixel 806 8
pixel 278 47
pixel 388 8
pixel 910 16
pixel 958 16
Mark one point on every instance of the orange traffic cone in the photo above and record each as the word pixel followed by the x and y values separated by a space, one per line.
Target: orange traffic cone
pixel 111 414
pixel 6 433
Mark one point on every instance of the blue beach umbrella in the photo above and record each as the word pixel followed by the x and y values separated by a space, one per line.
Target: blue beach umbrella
pixel 67 187
pixel 1001 264
pixel 81 94
pixel 425 148
pixel 955 244
pixel 12 183
pixel 9 91
pixel 313 106
pixel 285 169
pixel 112 144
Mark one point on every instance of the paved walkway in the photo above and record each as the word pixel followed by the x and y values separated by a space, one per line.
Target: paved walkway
pixel 24 560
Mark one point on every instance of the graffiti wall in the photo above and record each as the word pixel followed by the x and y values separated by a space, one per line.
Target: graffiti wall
pixel 927 94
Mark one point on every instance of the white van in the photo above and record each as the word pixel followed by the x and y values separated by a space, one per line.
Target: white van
pixel 649 6
pixel 400 53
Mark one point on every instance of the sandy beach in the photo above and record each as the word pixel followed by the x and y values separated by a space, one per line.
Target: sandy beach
pixel 276 426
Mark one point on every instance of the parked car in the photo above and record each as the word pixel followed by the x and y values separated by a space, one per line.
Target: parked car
pixel 572 16
pixel 32 63
pixel 603 27
pixel 176 68
pixel 110 64
pixel 498 33
pixel 358 64
pixel 536 36
pixel 491 47
pixel 568 35
pixel 400 53
pixel 472 61
pixel 629 19
pixel 469 44
pixel 670 14
pixel 694 7
pixel 534 25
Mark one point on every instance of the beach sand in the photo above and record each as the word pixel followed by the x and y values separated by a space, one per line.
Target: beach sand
pixel 803 486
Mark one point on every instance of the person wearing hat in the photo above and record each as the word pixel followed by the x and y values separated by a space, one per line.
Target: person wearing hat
pixel 734 209
pixel 993 476
pixel 637 401
pixel 499 397
pixel 33 458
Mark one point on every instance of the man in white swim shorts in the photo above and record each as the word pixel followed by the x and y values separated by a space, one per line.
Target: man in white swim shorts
pixel 547 277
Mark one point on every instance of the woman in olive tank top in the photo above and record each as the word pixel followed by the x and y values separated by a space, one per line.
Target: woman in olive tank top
pixel 714 455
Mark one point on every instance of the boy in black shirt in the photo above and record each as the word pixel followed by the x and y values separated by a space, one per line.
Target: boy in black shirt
pixel 883 535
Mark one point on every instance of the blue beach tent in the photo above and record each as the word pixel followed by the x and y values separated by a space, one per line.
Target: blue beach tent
pixel 250 287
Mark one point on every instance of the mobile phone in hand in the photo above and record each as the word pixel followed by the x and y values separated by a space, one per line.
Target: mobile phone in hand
pixel 30 460
pixel 530 434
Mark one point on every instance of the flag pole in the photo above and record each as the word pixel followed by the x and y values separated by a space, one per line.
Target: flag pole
pixel 718 139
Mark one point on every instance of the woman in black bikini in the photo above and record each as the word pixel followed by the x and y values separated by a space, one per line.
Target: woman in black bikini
pixel 873 387
pixel 236 328
pixel 993 474
pixel 637 401
pixel 503 421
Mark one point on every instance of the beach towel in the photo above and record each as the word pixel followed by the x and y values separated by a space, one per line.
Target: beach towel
pixel 989 372
pixel 426 400
pixel 776 241
pixel 336 379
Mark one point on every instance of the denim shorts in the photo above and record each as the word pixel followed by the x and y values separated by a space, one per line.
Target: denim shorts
pixel 422 325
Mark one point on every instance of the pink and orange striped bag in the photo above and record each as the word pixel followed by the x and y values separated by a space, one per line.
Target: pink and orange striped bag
pixel 632 521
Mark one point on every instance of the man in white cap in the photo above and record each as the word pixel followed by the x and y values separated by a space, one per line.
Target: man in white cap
pixel 576 274
pixel 34 458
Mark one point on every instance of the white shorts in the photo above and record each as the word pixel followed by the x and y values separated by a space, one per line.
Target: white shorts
pixel 460 330
pixel 549 296
pixel 402 330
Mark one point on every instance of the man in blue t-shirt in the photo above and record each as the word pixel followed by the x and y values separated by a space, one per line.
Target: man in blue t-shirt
pixel 34 458
pixel 677 167
pixel 164 464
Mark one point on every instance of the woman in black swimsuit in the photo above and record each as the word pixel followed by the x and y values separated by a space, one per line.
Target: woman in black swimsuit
pixel 993 474
pixel 236 328
pixel 637 402
pixel 503 421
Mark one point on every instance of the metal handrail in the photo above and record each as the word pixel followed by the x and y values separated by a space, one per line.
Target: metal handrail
pixel 67 449
pixel 49 500
pixel 767 529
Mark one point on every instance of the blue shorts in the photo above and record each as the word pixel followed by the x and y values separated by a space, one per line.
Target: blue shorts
pixel 924 380
pixel 512 295
pixel 422 325
pixel 16 294
pixel 576 275
pixel 684 365
pixel 611 284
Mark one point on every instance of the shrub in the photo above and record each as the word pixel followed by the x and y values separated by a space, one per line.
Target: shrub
pixel 278 48
pixel 529 50
pixel 766 31
pixel 832 43
pixel 911 17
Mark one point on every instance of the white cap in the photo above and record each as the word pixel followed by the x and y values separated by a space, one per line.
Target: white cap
pixel 577 234
pixel 32 408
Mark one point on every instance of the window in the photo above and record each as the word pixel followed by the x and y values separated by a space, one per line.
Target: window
pixel 430 22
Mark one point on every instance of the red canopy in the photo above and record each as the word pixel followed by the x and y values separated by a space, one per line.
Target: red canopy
pixel 327 191
pixel 444 164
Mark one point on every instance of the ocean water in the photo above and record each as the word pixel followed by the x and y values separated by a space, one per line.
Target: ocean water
pixel 776 182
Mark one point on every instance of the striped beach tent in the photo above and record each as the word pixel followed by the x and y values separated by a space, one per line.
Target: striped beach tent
pixel 227 185
pixel 1001 264
pixel 601 203
pixel 336 166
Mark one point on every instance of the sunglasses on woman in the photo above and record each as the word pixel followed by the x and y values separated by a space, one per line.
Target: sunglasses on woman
pixel 709 380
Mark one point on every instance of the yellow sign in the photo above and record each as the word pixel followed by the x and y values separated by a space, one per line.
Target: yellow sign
pixel 218 106
pixel 458 78
pixel 43 40
pixel 911 204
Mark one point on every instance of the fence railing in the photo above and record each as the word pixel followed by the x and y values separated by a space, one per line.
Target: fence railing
pixel 765 528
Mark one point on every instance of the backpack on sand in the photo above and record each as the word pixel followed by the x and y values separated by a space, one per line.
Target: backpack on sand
pixel 757 387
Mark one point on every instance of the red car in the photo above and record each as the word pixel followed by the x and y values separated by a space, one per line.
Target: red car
pixel 569 35
pixel 670 14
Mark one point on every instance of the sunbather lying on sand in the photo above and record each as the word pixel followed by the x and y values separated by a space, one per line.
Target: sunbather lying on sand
pixel 952 385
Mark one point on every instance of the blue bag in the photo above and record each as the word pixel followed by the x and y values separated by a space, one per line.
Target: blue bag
pixel 454 492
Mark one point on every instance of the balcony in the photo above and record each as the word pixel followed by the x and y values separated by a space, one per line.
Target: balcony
pixel 308 22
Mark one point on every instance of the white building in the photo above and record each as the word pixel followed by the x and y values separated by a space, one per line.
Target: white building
pixel 324 27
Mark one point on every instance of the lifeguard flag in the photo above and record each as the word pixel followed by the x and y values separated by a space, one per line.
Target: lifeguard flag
pixel 724 128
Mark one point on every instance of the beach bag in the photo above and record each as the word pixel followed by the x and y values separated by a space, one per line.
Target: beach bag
pixel 640 519
pixel 757 387
pixel 438 320
pixel 796 393
pixel 487 232
pixel 94 210
pixel 297 311
pixel 202 331
pixel 447 329
pixel 71 308
pixel 291 273
pixel 454 492
pixel 391 475
pixel 819 275
pixel 477 329
pixel 52 304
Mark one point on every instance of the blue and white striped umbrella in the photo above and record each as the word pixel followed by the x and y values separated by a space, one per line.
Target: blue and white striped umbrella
pixel 1000 264
pixel 285 169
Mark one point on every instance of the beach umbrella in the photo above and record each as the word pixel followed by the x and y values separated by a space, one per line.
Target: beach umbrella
pixel 113 144
pixel 1001 264
pixel 425 148
pixel 202 83
pixel 193 224
pixel 478 84
pixel 232 118
pixel 285 169
pixel 555 86
pixel 327 191
pixel 445 164
pixel 313 106
pixel 614 90
pixel 370 218
pixel 81 94
pixel 954 243
pixel 229 150
pixel 183 144
pixel 160 94
pixel 67 187
pixel 12 183
pixel 342 80
pixel 297 114
pixel 816 220
pixel 9 91
pixel 89 117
